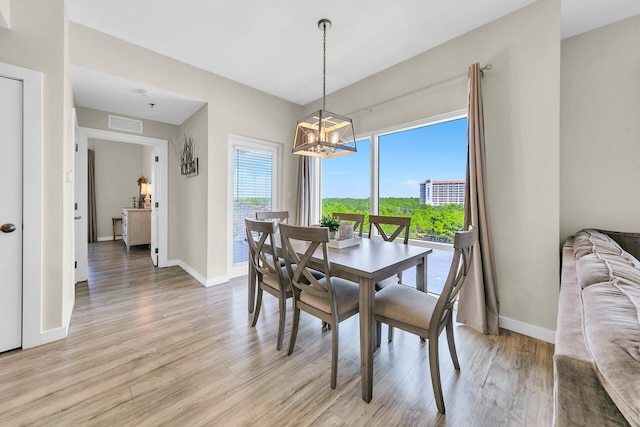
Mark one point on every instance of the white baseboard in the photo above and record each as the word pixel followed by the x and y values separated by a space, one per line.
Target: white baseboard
pixel 217 280
pixel 106 238
pixel 186 267
pixel 529 330
pixel 46 337
pixel 50 335
pixel 237 271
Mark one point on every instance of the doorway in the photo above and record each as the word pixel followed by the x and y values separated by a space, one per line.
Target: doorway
pixel 159 188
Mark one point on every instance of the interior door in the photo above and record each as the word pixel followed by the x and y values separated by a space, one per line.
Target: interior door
pixel 80 204
pixel 155 203
pixel 11 213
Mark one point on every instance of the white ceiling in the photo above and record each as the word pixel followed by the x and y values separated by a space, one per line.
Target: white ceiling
pixel 275 46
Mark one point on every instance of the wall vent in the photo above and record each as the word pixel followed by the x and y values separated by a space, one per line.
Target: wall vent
pixel 122 123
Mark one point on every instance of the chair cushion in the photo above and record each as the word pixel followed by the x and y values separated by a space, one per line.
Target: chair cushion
pixel 272 281
pixel 405 304
pixel 344 291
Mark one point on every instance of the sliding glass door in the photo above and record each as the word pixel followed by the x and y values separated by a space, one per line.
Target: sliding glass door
pixel 255 186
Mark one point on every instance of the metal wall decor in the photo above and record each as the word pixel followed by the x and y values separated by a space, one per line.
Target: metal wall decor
pixel 185 151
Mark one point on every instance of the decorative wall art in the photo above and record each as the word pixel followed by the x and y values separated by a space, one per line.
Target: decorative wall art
pixel 185 151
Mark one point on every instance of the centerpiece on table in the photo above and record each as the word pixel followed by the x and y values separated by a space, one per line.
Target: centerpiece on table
pixel 340 232
pixel 333 224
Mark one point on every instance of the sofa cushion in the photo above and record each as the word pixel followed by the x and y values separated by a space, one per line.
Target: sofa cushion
pixel 589 241
pixel 597 267
pixel 611 313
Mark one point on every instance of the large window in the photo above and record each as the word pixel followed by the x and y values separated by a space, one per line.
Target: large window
pixel 422 175
pixel 254 187
pixel 417 171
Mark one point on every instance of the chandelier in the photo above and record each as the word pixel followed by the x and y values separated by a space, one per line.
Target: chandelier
pixel 324 134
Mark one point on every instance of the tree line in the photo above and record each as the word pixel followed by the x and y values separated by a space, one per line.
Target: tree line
pixel 433 223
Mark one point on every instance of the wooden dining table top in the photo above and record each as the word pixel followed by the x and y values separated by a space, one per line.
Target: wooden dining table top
pixel 372 259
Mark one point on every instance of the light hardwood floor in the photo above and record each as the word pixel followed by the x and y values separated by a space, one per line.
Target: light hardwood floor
pixel 151 346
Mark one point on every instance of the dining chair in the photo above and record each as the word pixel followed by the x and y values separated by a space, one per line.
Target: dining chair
pixel 399 227
pixel 401 223
pixel 358 220
pixel 271 276
pixel 277 217
pixel 427 315
pixel 331 299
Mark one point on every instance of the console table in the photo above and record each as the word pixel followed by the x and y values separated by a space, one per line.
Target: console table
pixel 136 227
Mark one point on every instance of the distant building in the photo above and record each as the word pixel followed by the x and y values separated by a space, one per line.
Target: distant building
pixel 438 193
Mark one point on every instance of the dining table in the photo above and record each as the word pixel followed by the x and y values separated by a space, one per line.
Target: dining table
pixel 369 262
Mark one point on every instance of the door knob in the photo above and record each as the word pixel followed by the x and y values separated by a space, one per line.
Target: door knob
pixel 8 228
pixel 77 217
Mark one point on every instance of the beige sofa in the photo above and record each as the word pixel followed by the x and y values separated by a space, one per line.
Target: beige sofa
pixel 597 353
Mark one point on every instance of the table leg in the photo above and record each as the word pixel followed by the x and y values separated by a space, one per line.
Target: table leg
pixel 421 275
pixel 421 280
pixel 367 307
pixel 252 286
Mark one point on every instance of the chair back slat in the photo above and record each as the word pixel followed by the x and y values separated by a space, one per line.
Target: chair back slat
pixel 402 224
pixel 463 250
pixel 261 249
pixel 277 217
pixel 313 240
pixel 358 220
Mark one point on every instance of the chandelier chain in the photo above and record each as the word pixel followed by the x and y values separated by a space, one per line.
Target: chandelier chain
pixel 324 63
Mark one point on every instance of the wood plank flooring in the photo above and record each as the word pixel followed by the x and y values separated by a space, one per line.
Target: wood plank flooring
pixel 152 347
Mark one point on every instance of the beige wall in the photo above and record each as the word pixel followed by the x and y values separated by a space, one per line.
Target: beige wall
pixel 600 131
pixel 117 169
pixel 232 109
pixel 521 100
pixel 39 41
pixel 188 207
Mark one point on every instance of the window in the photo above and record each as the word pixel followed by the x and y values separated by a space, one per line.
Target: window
pixel 417 171
pixel 346 182
pixel 255 186
pixel 421 174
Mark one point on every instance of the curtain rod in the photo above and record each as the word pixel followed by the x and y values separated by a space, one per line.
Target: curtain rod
pixel 487 67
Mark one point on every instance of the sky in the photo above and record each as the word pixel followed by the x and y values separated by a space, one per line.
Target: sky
pixel 407 158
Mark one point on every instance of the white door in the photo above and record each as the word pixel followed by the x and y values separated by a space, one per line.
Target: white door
pixel 155 187
pixel 80 204
pixel 11 214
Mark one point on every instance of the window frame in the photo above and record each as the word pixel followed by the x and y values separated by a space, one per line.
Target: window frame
pixel 374 190
pixel 256 145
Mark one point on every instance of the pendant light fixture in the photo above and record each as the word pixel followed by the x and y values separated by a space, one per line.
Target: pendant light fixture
pixel 324 134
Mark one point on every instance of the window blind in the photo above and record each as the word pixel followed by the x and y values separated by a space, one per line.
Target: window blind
pixel 252 192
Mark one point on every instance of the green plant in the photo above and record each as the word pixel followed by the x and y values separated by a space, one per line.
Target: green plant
pixel 330 222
